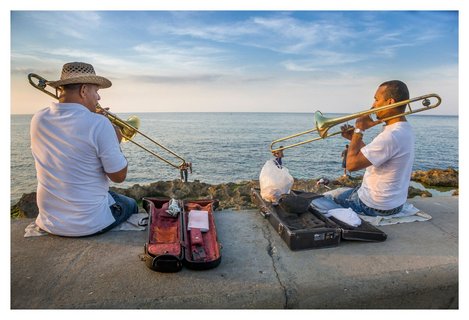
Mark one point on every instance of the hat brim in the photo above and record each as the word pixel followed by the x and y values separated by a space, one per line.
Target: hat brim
pixel 102 82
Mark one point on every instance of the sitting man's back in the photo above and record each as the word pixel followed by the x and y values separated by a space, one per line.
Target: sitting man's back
pixel 76 152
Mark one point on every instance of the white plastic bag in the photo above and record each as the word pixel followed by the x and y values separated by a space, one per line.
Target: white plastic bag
pixel 274 181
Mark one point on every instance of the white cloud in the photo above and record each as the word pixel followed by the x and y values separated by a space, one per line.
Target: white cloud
pixel 70 24
pixel 324 60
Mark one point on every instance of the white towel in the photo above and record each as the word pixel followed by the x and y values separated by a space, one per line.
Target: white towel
pixel 409 213
pixel 198 219
pixel 136 222
pixel 32 230
pixel 346 215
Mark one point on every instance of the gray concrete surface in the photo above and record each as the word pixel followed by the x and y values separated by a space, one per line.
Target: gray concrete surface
pixel 416 267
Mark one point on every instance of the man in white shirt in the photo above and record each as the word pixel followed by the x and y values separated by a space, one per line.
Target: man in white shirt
pixel 76 153
pixel 388 159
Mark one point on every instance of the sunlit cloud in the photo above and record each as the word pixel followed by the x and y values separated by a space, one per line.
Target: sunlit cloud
pixel 322 59
pixel 181 55
pixel 178 79
pixel 245 54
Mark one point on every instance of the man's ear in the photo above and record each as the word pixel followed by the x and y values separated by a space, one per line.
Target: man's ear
pixel 82 91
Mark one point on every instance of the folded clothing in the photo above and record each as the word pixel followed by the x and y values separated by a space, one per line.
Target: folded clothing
pixel 346 215
pixel 173 208
pixel 409 213
pixel 136 222
pixel 198 219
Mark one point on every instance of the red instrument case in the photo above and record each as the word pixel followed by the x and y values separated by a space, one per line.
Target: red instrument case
pixel 172 245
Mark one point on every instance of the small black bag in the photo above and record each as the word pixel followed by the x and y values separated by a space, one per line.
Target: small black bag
pixel 297 202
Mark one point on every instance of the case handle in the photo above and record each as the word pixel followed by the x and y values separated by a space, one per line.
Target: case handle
pixel 166 263
pixel 264 211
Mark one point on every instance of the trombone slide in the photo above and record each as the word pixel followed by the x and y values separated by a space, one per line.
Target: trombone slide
pixel 128 128
pixel 323 124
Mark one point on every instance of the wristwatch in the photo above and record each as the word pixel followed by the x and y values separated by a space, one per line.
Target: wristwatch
pixel 359 131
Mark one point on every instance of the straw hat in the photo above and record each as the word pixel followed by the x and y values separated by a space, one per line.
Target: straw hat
pixel 79 72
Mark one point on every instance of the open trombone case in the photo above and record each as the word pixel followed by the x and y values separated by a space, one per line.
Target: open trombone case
pixel 300 221
pixel 172 245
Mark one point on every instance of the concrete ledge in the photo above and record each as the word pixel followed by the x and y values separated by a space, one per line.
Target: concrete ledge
pixel 416 267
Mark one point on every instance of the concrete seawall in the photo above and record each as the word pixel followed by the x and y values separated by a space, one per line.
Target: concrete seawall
pixel 416 267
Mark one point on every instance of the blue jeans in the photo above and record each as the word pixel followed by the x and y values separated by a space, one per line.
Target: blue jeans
pixel 348 198
pixel 121 210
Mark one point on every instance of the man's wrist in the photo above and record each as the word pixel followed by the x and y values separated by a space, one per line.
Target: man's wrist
pixel 358 131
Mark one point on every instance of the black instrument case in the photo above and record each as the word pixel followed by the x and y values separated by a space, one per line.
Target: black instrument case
pixel 304 226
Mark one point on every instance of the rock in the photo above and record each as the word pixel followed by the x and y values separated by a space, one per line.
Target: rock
pixel 230 195
pixel 348 181
pixel 26 207
pixel 312 185
pixel 238 195
pixel 415 192
pixel 437 177
pixel 172 189
pixel 308 185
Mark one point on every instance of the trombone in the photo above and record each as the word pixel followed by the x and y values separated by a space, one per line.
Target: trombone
pixel 128 128
pixel 323 124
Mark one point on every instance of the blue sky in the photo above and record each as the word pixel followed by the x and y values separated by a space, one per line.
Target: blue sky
pixel 227 61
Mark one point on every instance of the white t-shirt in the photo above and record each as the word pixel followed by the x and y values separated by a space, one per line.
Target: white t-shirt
pixel 73 149
pixel 385 184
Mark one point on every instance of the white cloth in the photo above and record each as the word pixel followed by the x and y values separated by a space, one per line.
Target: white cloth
pixel 173 208
pixel 136 222
pixel 32 230
pixel 73 148
pixel 198 219
pixel 346 215
pixel 391 153
pixel 409 213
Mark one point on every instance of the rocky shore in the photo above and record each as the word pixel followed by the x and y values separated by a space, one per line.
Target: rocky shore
pixel 238 196
pixel 437 177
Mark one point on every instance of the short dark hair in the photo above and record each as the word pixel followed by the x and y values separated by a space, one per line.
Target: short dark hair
pixel 395 89
pixel 71 87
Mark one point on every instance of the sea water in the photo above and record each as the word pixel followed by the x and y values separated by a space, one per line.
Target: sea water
pixel 232 147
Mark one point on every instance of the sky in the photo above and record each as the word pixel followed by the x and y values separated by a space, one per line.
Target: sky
pixel 239 61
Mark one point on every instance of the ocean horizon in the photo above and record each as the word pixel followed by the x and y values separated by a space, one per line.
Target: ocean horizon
pixel 233 146
pixel 249 112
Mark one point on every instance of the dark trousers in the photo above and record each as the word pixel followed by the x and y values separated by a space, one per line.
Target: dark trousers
pixel 121 210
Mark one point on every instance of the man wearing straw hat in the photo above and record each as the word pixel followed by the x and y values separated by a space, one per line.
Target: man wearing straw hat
pixel 77 152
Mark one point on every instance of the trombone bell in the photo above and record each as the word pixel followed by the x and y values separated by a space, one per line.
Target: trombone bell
pixel 321 123
pixel 128 132
pixel 127 128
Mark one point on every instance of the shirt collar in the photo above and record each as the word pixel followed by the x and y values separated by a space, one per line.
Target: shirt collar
pixel 68 106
